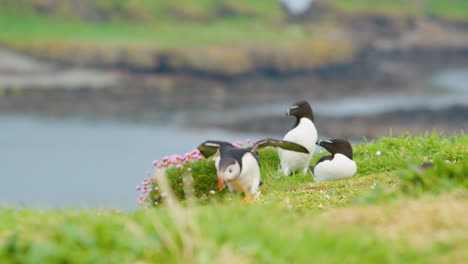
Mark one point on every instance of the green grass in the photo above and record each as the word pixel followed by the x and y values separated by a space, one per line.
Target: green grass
pixel 26 28
pixel 221 233
pixel 294 220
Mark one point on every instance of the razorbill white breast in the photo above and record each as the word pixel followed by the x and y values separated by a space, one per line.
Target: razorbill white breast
pixel 303 133
pixel 238 167
pixel 337 166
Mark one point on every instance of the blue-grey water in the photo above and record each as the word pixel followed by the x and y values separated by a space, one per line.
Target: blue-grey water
pixel 443 89
pixel 73 163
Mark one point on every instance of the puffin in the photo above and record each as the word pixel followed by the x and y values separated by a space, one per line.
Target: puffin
pixel 239 167
pixel 303 133
pixel 339 165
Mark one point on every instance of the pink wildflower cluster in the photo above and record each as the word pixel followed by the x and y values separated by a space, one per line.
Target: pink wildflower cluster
pixel 150 193
pixel 146 188
pixel 178 161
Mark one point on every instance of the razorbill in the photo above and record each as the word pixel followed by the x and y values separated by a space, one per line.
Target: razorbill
pixel 337 166
pixel 303 133
pixel 238 167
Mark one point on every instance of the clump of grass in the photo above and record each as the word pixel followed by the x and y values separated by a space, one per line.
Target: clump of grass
pixel 442 177
pixel 392 153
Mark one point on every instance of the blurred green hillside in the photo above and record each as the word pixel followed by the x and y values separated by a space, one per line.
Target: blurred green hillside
pixel 225 37
pixel 209 10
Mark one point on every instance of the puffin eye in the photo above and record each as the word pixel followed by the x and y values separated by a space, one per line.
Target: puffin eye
pixel 230 170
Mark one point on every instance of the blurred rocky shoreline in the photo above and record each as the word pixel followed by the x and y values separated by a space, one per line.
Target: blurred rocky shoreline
pixel 385 56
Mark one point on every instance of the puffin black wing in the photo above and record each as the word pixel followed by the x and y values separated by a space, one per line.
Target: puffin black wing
pixel 287 145
pixel 210 147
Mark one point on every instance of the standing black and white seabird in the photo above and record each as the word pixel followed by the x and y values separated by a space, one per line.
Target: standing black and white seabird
pixel 238 167
pixel 304 133
pixel 337 166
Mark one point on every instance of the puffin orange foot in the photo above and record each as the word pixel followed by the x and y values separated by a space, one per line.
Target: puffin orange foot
pixel 247 199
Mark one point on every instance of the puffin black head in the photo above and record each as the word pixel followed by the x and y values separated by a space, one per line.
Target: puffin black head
pixel 230 166
pixel 335 146
pixel 301 109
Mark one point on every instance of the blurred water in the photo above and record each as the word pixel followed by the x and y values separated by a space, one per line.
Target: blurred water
pixel 51 163
pixel 444 89
pixel 452 80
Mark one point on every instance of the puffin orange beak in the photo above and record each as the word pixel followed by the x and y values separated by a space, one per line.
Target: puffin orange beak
pixel 221 182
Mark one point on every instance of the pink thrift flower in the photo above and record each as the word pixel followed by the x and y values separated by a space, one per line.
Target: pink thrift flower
pixel 155 162
pixel 164 194
pixel 150 190
pixel 156 197
pixel 138 187
pixel 179 166
pixel 248 141
pixel 212 192
pixel 156 188
pixel 189 169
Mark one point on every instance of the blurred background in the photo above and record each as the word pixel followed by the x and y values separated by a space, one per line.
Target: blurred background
pixel 91 91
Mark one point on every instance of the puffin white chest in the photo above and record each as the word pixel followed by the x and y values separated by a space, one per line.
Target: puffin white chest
pixel 304 134
pixel 249 178
pixel 339 167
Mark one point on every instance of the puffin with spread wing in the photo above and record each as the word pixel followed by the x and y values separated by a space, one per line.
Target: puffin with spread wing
pixel 238 167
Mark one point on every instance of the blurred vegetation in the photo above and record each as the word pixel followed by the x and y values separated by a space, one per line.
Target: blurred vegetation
pixel 210 10
pixel 219 37
pixel 452 10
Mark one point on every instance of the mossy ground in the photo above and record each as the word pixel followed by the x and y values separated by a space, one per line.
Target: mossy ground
pixel 380 216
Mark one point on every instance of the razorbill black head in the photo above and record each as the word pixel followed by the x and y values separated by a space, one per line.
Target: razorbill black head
pixel 334 146
pixel 238 167
pixel 301 109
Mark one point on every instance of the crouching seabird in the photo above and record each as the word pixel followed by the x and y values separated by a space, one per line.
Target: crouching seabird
pixel 337 166
pixel 303 133
pixel 238 167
